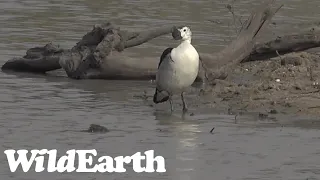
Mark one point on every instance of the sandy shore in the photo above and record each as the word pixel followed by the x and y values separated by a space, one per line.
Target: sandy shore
pixel 286 84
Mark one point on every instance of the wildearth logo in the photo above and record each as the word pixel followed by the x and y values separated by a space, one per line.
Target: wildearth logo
pixel 66 163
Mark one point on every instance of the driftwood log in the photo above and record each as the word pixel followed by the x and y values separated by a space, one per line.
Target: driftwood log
pixel 285 44
pixel 98 54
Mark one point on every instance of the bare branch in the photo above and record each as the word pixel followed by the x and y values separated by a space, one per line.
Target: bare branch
pixel 147 35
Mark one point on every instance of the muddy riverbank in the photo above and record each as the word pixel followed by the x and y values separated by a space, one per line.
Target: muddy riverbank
pixel 286 84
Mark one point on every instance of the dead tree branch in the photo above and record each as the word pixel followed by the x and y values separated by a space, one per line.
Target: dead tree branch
pixel 285 44
pixel 219 63
pixel 94 49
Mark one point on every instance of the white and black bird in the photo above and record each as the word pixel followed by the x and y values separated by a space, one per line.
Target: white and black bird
pixel 178 69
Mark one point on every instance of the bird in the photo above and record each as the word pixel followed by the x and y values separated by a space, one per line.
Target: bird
pixel 177 70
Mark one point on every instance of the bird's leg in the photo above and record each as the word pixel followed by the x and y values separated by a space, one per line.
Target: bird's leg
pixel 170 101
pixel 185 109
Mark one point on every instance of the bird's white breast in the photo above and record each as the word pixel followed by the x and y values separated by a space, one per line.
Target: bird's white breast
pixel 186 56
pixel 181 70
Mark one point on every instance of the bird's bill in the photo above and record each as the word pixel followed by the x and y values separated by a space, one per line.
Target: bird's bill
pixel 176 34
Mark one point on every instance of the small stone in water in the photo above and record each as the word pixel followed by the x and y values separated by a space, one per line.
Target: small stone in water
pixel 94 128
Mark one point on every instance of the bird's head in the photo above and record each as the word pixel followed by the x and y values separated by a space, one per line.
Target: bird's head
pixel 182 33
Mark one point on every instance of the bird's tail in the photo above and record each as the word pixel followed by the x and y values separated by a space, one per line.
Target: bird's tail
pixel 159 97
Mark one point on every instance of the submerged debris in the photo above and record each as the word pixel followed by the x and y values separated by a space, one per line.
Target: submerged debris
pixel 273 111
pixel 95 128
pixel 263 116
pixel 212 130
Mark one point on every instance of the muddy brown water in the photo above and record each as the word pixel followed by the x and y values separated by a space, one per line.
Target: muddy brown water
pixel 45 112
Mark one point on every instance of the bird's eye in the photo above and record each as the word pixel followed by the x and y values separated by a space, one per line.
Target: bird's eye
pixel 184 30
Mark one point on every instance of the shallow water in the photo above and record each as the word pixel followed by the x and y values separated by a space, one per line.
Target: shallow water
pixel 46 112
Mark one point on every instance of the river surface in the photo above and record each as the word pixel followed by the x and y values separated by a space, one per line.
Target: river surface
pixel 48 112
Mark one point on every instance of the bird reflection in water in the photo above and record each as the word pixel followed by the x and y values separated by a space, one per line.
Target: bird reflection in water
pixel 184 133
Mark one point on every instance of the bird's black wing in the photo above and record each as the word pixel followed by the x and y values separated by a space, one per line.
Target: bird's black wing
pixel 164 54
